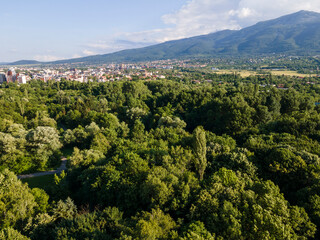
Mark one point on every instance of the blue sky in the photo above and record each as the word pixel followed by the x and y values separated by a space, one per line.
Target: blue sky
pixel 48 30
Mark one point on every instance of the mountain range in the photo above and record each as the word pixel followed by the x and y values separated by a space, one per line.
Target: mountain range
pixel 294 34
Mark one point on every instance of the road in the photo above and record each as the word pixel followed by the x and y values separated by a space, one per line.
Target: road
pixel 62 167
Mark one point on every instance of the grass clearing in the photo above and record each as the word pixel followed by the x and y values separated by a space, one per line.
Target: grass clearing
pixel 43 182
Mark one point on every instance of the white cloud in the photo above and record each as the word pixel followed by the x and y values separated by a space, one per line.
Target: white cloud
pixel 47 58
pixel 205 16
pixel 76 56
pixel 50 58
pixel 242 13
pixel 199 17
pixel 122 41
pixel 88 52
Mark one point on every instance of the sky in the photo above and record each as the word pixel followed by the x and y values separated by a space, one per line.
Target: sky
pixel 48 30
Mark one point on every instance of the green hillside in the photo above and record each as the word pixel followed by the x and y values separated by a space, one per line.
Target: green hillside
pixel 296 34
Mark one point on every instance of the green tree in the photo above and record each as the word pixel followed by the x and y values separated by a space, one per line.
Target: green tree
pixel 11 234
pixel 16 200
pixel 200 150
pixel 197 231
pixel 154 225
pixel 137 132
pixel 236 207
pixel 84 158
pixel 65 209
pixel 100 143
pixel 41 198
pixel 43 142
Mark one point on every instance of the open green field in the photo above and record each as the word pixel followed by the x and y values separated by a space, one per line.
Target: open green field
pixel 43 182
pixel 243 73
pixel 292 73
pixel 246 73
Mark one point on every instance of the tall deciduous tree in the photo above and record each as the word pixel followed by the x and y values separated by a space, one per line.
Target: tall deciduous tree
pixel 200 150
pixel 16 200
pixel 43 142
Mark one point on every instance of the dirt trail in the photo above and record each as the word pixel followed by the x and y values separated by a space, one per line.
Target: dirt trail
pixel 62 167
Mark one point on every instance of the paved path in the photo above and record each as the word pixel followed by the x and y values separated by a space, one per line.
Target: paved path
pixel 62 167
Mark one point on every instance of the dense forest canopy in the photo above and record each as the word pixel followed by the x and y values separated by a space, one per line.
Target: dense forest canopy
pixel 231 158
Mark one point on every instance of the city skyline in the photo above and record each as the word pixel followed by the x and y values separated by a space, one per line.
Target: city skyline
pixel 53 30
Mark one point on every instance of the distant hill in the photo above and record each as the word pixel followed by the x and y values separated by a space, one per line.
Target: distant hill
pixel 24 62
pixel 296 34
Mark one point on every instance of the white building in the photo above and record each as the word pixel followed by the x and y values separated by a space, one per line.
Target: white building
pixel 22 79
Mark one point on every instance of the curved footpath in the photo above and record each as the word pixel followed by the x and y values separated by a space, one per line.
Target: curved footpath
pixel 62 167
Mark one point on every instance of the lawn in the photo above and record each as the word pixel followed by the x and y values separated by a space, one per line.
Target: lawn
pixel 43 182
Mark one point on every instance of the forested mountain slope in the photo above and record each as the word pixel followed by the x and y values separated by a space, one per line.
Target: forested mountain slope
pixel 296 34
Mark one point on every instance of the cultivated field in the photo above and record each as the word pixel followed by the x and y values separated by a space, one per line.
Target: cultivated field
pixel 246 73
